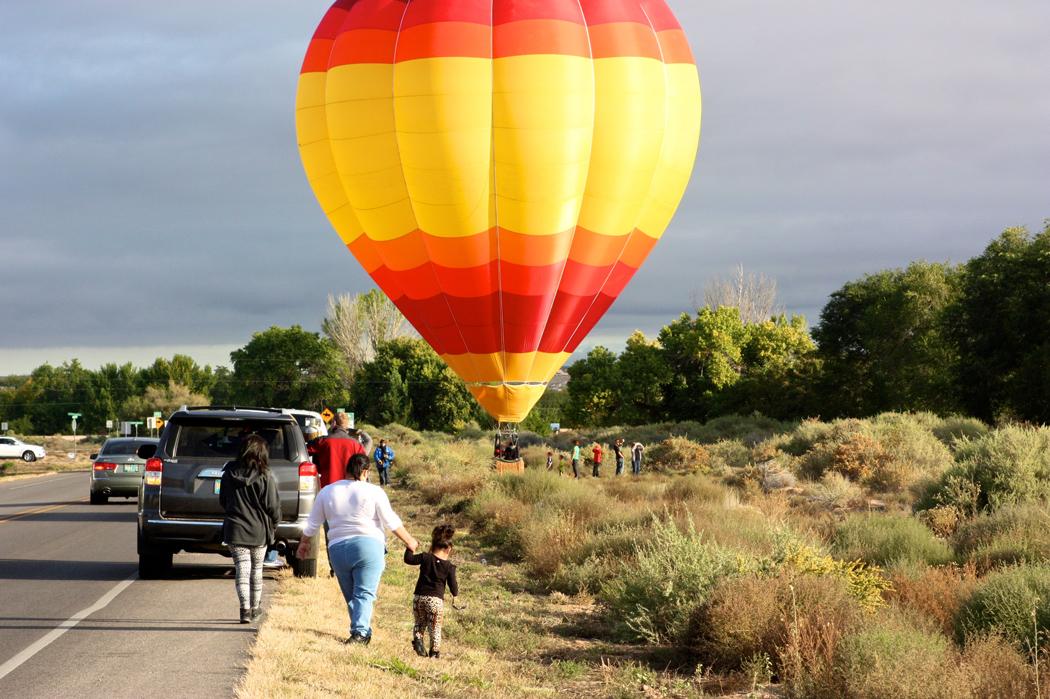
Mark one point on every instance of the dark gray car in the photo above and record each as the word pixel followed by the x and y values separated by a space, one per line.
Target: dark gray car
pixel 117 469
pixel 179 507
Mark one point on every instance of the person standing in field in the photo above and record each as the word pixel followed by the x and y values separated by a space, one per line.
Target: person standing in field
pixel 248 495
pixel 550 460
pixel 596 454
pixel 358 514
pixel 618 451
pixel 636 458
pixel 384 457
pixel 428 601
pixel 576 458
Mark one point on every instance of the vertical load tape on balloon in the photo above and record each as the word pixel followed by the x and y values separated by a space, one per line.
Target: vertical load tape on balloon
pixel 501 168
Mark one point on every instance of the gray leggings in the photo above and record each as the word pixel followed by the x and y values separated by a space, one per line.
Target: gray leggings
pixel 248 568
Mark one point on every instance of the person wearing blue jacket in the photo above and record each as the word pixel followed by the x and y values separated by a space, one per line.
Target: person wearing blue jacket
pixel 384 457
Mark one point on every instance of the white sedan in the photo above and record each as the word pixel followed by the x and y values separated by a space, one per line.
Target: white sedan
pixel 12 448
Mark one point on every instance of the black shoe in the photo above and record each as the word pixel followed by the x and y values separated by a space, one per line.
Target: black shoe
pixel 358 638
pixel 435 654
pixel 417 646
pixel 246 616
pixel 256 613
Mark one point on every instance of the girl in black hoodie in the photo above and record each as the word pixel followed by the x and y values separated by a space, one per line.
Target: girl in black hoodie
pixel 248 494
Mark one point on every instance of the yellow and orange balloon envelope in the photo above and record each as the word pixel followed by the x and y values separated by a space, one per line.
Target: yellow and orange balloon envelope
pixel 501 168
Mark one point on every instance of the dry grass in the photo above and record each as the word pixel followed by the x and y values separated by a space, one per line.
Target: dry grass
pixel 57 460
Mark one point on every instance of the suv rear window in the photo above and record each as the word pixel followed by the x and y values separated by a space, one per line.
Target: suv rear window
pixel 222 440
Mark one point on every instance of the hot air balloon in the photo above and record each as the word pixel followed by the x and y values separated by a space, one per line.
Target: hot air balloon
pixel 501 168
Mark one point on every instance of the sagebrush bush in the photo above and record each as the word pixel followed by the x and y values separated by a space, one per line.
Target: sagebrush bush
pixel 1012 534
pixel 698 488
pixel 767 615
pixel 1010 465
pixel 835 491
pixel 727 454
pixel 679 454
pixel 995 669
pixel 890 658
pixel 953 429
pixel 652 598
pixel 865 583
pixel 885 539
pixel 934 593
pixel 1014 603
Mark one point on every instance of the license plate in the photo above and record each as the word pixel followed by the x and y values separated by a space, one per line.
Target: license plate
pixel 131 468
pixel 218 484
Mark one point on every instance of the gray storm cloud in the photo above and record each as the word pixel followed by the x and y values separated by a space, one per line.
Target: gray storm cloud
pixel 151 188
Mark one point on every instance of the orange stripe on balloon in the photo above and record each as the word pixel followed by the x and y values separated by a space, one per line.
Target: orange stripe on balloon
pixel 418 248
pixel 317 54
pixel 445 39
pixel 540 36
pixel 363 46
pixel 621 39
pixel 675 47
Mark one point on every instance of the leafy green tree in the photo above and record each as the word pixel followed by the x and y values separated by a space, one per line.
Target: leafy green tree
pixel 883 344
pixel 549 409
pixel 1000 324
pixel 407 382
pixel 593 389
pixel 642 374
pixel 704 355
pixel 287 368
pixel 166 399
pixel 181 369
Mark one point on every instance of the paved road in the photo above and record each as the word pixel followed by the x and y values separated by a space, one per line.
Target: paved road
pixel 61 557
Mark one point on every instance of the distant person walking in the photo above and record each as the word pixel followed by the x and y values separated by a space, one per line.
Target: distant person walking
pixel 636 458
pixel 248 495
pixel 618 452
pixel 428 601
pixel 596 461
pixel 576 458
pixel 384 457
pixel 550 460
pixel 357 512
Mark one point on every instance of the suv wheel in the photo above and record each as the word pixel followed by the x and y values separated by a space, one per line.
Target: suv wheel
pixel 28 456
pixel 302 567
pixel 99 499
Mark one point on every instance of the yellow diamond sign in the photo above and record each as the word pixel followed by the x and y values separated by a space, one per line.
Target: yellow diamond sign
pixel 327 415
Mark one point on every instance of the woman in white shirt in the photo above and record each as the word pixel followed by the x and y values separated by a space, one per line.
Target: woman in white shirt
pixel 358 513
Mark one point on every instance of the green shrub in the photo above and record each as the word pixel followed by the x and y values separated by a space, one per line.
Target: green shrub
pixel 695 488
pixel 679 454
pixel 889 658
pixel 1008 466
pixel 835 491
pixel 652 598
pixel 1013 534
pixel 1014 603
pixel 865 583
pixel 727 454
pixel 886 540
pixel 955 428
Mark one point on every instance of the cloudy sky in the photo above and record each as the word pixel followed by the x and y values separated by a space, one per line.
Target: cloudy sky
pixel 152 200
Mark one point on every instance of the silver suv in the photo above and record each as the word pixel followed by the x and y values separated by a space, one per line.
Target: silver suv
pixel 179 506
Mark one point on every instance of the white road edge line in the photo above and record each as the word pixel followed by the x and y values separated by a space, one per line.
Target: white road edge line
pixel 56 633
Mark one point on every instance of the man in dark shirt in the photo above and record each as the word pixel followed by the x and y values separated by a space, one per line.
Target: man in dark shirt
pixel 618 452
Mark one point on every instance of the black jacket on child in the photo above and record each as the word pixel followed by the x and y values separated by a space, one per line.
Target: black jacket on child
pixel 434 573
pixel 253 507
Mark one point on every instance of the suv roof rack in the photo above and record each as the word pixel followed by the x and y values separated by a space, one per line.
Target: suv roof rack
pixel 231 407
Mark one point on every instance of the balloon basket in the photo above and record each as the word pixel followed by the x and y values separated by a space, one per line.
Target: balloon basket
pixel 503 466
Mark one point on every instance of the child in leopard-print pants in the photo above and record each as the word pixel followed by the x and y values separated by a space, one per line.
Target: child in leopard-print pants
pixel 428 602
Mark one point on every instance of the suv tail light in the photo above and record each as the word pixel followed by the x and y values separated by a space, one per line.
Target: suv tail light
pixel 154 471
pixel 104 466
pixel 307 477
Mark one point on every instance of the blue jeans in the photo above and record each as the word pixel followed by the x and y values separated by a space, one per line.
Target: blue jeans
pixel 358 563
pixel 384 475
pixel 636 465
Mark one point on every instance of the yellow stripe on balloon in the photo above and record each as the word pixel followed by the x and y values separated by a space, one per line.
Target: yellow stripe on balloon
pixel 679 151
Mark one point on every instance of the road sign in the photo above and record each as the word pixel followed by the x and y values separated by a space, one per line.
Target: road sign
pixel 74 415
pixel 340 410
pixel 157 413
pixel 159 422
pixel 109 424
pixel 555 427
pixel 151 423
pixel 3 427
pixel 327 415
pixel 350 417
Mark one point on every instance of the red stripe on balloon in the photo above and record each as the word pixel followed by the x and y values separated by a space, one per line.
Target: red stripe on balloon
pixel 428 11
pixel 520 10
pixel 660 15
pixel 605 11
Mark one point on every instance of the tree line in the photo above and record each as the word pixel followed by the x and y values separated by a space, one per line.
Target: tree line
pixel 972 338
